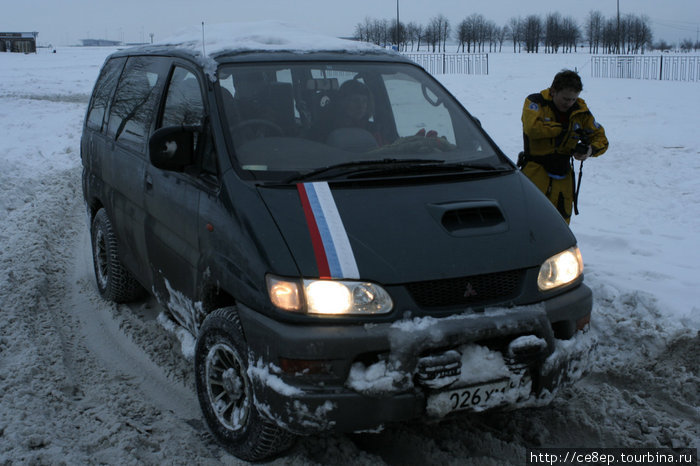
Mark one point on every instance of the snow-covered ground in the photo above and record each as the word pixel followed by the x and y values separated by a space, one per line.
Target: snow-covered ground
pixel 83 381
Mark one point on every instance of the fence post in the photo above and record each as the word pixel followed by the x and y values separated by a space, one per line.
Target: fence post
pixel 661 68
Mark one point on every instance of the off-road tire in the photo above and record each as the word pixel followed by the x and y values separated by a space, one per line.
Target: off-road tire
pixel 221 371
pixel 114 281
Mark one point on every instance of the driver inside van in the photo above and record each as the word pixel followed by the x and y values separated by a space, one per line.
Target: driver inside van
pixel 352 109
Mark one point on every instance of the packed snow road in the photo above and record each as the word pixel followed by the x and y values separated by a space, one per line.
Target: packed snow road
pixel 83 381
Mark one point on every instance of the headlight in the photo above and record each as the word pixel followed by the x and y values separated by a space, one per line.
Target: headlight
pixel 328 297
pixel 560 270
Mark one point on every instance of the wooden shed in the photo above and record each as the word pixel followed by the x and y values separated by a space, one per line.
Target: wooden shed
pixel 21 42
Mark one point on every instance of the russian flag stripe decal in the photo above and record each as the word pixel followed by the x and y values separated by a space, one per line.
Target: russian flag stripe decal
pixel 334 256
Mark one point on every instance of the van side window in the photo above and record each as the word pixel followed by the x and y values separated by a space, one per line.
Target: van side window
pixel 183 104
pixel 104 89
pixel 137 94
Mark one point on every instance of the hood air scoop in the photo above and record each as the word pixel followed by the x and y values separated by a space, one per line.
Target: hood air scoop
pixel 466 218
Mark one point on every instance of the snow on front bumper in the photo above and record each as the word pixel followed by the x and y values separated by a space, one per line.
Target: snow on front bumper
pixel 417 359
pixel 528 372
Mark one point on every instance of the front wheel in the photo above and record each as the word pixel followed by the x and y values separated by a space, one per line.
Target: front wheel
pixel 225 391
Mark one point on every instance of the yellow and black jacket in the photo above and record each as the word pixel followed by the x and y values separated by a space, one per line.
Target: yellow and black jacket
pixel 549 145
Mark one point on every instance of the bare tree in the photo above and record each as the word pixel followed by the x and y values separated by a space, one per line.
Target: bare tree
pixel 594 30
pixel 440 27
pixel 532 33
pixel 501 35
pixel 362 30
pixel 609 36
pixel 638 33
pixel 552 33
pixel 446 30
pixel 414 33
pixel 515 26
pixel 555 32
pixel 399 39
pixel 491 35
pixel 480 29
pixel 383 28
pixel 662 46
pixel 686 45
pixel 432 36
pixel 571 34
pixel 463 35
pixel 376 31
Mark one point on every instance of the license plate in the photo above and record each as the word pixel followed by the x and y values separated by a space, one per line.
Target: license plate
pixel 477 397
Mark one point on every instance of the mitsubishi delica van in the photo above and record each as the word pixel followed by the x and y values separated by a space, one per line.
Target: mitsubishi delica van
pixel 348 246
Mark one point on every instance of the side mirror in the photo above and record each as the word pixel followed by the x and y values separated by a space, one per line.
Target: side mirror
pixel 172 148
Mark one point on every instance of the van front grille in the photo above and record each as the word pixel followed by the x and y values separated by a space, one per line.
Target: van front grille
pixel 475 290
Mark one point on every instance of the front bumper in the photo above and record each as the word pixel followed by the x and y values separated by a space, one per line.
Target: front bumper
pixel 309 402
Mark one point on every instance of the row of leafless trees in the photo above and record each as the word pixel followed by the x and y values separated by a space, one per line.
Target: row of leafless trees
pixel 551 34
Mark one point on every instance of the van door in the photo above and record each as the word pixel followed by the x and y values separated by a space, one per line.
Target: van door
pixel 172 198
pixel 128 127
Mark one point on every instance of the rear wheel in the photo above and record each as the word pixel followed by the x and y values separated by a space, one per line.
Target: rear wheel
pixel 226 393
pixel 114 281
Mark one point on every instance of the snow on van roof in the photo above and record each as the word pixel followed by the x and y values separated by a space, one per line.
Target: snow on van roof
pixel 263 36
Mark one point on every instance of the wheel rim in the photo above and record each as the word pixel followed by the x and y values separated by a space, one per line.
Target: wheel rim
pixel 101 260
pixel 227 386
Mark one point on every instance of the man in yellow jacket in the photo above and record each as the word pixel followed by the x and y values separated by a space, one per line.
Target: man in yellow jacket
pixel 557 126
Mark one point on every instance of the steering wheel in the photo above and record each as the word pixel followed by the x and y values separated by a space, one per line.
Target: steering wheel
pixel 257 128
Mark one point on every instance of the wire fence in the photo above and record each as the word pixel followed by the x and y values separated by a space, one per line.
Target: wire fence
pixel 657 67
pixel 452 63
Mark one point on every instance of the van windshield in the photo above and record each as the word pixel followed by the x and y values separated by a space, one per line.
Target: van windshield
pixel 306 118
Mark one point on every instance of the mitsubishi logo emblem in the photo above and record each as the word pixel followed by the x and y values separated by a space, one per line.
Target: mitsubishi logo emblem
pixel 470 291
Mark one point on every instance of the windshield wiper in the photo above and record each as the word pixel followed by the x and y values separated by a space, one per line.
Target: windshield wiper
pixel 364 165
pixel 453 167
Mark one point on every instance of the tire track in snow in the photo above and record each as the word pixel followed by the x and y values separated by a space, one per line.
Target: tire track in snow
pixel 62 394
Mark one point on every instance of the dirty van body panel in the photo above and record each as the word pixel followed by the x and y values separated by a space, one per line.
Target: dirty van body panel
pixel 242 245
pixel 404 231
pixel 123 174
pixel 171 201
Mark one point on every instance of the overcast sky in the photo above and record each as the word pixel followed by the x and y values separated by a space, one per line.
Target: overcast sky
pixel 64 22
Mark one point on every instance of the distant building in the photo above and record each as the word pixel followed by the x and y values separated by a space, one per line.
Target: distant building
pixel 21 42
pixel 100 43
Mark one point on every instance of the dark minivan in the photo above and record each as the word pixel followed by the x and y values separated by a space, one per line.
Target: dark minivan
pixel 347 245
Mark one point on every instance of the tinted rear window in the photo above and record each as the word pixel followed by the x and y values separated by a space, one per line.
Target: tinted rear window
pixel 137 94
pixel 104 89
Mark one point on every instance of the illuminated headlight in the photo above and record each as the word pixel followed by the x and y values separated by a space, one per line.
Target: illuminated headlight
pixel 328 297
pixel 560 270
